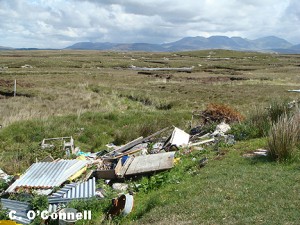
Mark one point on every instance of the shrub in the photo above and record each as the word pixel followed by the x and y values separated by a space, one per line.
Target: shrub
pixel 3 213
pixel 39 202
pixel 244 131
pixel 284 137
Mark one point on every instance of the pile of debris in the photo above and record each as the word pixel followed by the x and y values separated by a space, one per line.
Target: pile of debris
pixel 142 156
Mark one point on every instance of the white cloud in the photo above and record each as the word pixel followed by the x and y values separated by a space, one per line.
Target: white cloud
pixel 58 23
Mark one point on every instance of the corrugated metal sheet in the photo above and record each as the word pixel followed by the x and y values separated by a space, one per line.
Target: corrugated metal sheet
pixel 46 175
pixel 72 192
pixel 21 209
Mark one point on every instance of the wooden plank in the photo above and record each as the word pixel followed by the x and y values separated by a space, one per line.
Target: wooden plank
pixel 202 142
pixel 150 163
pixel 124 168
pixel 121 155
pixel 130 144
pixel 126 147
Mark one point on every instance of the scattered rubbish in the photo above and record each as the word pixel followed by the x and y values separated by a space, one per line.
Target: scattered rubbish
pixel 49 158
pixel 293 104
pixel 138 165
pixel 120 186
pixel 118 152
pixel 4 176
pixel 294 91
pixel 122 205
pixel 229 139
pixel 67 144
pixel 100 192
pixel 197 148
pixel 202 142
pixel 261 152
pixel 221 129
pixel 141 156
pixel 26 66
pixel 203 162
pixel 69 219
pixel 257 152
pixel 196 130
pixel 129 145
pixel 178 138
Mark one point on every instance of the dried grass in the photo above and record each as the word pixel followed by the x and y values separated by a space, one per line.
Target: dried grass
pixel 219 113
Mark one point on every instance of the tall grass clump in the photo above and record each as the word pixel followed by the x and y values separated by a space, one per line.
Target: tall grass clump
pixel 279 108
pixel 260 120
pixel 283 139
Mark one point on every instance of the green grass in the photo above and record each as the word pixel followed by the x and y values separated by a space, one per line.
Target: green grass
pixel 20 141
pixel 228 190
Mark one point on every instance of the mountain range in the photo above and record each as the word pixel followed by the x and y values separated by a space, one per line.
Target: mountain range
pixel 265 44
pixel 268 44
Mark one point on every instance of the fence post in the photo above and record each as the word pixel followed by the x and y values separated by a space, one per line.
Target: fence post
pixel 15 88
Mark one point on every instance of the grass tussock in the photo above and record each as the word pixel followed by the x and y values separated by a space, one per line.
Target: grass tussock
pixel 284 137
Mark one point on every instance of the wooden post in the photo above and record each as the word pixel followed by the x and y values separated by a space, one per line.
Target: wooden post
pixel 15 88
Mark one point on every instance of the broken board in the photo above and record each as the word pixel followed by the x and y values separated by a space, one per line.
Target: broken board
pixel 151 163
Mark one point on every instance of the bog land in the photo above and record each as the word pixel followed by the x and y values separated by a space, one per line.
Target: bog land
pixel 98 97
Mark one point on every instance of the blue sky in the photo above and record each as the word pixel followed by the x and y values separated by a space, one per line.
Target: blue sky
pixel 60 23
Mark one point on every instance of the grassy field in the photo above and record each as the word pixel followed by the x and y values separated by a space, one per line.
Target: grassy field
pixel 97 99
pixel 74 82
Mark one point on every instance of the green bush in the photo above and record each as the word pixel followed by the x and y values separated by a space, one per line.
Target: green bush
pixel 3 213
pixel 39 202
pixel 3 185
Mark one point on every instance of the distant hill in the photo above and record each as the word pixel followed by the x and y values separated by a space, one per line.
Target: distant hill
pixel 116 46
pixel 270 43
pixel 5 48
pixel 264 44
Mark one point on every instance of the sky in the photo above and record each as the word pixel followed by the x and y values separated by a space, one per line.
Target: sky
pixel 61 23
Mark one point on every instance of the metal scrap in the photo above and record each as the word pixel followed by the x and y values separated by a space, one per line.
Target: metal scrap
pixel 47 175
pixel 67 144
pixel 70 192
pixel 21 209
pixel 122 205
